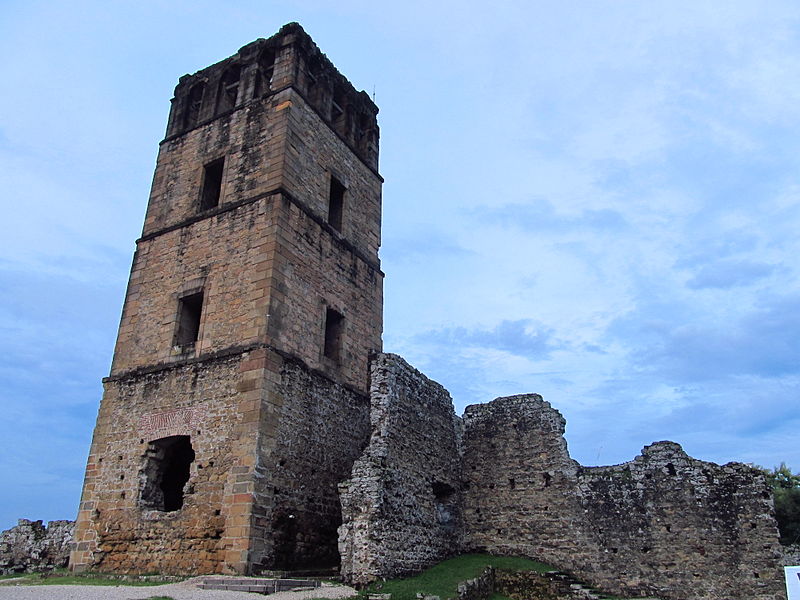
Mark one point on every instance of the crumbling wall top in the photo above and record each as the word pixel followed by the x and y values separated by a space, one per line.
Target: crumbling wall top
pixel 290 58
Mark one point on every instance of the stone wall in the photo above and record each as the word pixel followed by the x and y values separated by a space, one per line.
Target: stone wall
pixel 524 585
pixel 480 588
pixel 666 523
pixel 663 524
pixel 204 401
pixel 30 546
pixel 311 434
pixel 402 506
pixel 791 555
pixel 521 482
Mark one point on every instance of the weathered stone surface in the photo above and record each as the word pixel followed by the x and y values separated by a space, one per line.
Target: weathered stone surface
pixel 237 398
pixel 525 585
pixel 663 524
pixel 30 546
pixel 402 505
pixel 480 588
pixel 322 426
pixel 791 555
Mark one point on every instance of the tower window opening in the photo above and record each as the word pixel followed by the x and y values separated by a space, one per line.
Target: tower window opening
pixel 194 101
pixel 165 473
pixel 336 203
pixel 337 107
pixel 334 324
pixel 364 126
pixel 212 184
pixel 190 308
pixel 228 90
pixel 445 504
pixel 266 70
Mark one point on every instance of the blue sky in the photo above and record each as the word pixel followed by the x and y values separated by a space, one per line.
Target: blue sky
pixel 595 201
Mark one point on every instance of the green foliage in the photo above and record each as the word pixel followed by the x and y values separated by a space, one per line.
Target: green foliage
pixel 442 580
pixel 786 489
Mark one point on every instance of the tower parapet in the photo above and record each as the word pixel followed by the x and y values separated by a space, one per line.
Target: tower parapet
pixel 266 66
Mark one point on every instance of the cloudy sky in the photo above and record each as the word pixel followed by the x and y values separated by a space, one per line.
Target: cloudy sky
pixel 595 201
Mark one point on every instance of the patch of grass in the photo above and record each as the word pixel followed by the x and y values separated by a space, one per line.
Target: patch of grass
pixel 14 576
pixel 442 580
pixel 64 577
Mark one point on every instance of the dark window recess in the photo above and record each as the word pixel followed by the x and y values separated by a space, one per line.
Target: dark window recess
pixel 445 504
pixel 212 184
pixel 334 324
pixel 364 127
pixel 337 108
pixel 189 310
pixel 336 203
pixel 266 69
pixel 193 103
pixel 165 473
pixel 228 90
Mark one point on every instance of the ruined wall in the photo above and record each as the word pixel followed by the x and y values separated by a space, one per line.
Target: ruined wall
pixel 521 481
pixel 791 555
pixel 664 524
pixel 210 403
pixel 312 430
pixel 402 506
pixel 30 546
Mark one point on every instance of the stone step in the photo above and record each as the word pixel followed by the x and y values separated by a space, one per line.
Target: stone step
pixel 259 585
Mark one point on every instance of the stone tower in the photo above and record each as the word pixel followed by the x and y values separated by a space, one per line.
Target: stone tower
pixel 238 392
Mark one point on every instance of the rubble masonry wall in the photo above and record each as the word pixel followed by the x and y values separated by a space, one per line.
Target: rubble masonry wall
pixel 402 505
pixel 32 546
pixel 663 524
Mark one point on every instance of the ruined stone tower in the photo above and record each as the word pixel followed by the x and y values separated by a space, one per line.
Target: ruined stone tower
pixel 237 398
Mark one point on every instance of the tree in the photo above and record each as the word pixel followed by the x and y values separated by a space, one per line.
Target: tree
pixel 786 489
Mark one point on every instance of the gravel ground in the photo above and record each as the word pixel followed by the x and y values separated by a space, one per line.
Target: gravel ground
pixel 185 590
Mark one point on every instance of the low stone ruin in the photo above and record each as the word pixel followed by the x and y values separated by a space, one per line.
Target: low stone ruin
pixel 30 546
pixel 500 480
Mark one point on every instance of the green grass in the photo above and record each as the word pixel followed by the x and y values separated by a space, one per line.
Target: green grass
pixel 64 577
pixel 442 580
